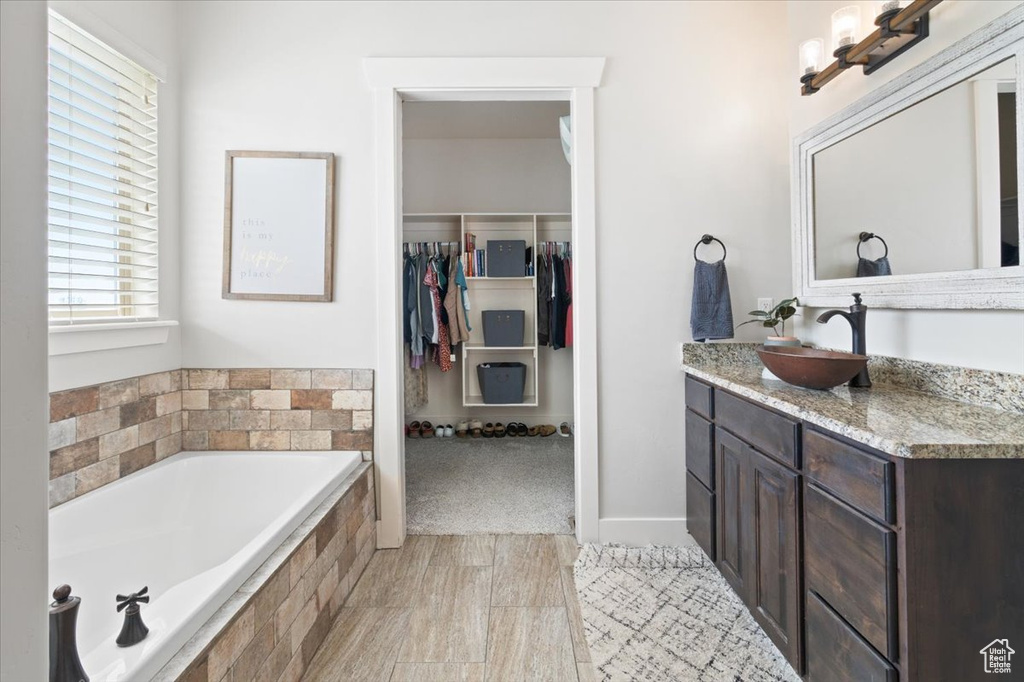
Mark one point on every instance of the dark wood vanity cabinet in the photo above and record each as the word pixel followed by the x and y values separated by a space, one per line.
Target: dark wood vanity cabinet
pixel 858 565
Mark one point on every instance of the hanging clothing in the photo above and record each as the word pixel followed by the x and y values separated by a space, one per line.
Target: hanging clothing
pixel 415 381
pixel 568 307
pixel 458 321
pixel 543 300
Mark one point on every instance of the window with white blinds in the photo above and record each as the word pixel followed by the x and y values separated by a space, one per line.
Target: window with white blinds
pixel 102 220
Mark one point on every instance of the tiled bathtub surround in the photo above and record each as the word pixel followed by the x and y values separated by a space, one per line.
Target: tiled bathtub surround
pixel 999 390
pixel 100 433
pixel 277 409
pixel 103 432
pixel 270 629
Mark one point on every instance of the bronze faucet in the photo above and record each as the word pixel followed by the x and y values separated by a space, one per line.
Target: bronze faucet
pixel 65 665
pixel 857 317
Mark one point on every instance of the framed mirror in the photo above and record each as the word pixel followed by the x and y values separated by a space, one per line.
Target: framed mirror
pixel 910 195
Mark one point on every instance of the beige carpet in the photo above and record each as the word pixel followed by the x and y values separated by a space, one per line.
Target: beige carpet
pixel 488 485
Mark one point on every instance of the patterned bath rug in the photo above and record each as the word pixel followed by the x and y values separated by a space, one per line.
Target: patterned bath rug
pixel 665 614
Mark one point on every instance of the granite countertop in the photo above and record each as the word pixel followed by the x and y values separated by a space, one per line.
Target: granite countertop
pixel 889 417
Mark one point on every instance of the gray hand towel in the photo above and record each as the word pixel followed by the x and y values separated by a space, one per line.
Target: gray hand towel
pixel 873 268
pixel 711 312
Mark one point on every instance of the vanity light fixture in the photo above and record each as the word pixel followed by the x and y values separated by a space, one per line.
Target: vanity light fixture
pixel 901 25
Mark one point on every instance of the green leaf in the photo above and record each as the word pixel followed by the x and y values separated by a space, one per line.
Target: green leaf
pixel 747 322
pixel 758 313
pixel 787 312
pixel 787 303
pixel 769 323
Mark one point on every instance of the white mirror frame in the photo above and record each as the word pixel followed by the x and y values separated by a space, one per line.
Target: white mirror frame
pixel 993 288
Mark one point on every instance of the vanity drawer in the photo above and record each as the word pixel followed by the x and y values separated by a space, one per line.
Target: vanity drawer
pixel 835 653
pixel 769 432
pixel 864 481
pixel 700 397
pixel 850 562
pixel 700 451
pixel 700 514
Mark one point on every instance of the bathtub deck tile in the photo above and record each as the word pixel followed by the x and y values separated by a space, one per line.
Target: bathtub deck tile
pixel 119 392
pixel 74 403
pixel 257 651
pixel 168 445
pixel 61 434
pixel 270 440
pixel 141 410
pixel 249 378
pixel 155 429
pixel 311 440
pixel 95 475
pixel 195 399
pixel 62 489
pixel 97 423
pixel 155 384
pixel 332 378
pixel 290 378
pixel 340 420
pixel 229 399
pixel 231 644
pixel 302 559
pixel 207 378
pixel 195 440
pixel 73 457
pixel 271 400
pixel 249 420
pixel 168 403
pixel 139 458
pixel 290 420
pixel 229 440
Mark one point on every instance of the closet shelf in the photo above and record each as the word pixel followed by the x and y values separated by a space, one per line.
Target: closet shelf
pixel 478 347
pixel 478 401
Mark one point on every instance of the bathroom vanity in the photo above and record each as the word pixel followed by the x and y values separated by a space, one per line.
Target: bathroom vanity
pixel 875 534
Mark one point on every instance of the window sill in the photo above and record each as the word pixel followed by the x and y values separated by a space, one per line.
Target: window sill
pixel 85 338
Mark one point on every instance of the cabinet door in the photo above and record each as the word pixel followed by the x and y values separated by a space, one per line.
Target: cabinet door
pixel 775 581
pixel 734 542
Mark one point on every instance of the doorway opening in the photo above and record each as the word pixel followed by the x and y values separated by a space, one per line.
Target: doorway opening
pixel 398 80
pixel 486 312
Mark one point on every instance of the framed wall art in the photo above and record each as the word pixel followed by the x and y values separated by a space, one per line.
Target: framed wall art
pixel 278 226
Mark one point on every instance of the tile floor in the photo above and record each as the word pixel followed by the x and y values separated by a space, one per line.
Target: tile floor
pixel 461 609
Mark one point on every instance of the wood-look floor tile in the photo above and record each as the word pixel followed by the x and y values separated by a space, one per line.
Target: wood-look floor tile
pixel 530 644
pixel 572 607
pixel 527 585
pixel 585 671
pixel 510 550
pixel 449 616
pixel 393 576
pixel 362 644
pixel 567 549
pixel 464 550
pixel 438 672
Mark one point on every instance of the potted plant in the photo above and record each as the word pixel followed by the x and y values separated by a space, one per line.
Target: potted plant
pixel 775 319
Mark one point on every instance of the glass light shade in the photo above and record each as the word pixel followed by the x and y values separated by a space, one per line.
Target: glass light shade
pixel 812 56
pixel 845 27
pixel 884 6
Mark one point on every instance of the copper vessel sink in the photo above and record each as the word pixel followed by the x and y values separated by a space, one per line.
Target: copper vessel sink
pixel 811 367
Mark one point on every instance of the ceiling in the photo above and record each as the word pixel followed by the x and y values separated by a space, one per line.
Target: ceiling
pixel 502 120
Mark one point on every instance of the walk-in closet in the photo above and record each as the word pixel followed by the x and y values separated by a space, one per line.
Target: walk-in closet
pixel 487 273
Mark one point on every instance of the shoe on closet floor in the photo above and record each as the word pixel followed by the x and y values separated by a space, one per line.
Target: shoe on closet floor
pixel 565 429
pixel 462 429
pixel 522 430
pixel 546 430
pixel 499 430
pixel 449 431
pixel 413 430
pixel 476 428
pixel 426 429
pixel 488 430
pixel 533 431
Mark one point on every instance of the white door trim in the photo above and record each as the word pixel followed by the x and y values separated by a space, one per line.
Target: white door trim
pixel 459 79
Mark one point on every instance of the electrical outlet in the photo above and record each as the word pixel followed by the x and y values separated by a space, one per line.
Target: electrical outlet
pixel 765 304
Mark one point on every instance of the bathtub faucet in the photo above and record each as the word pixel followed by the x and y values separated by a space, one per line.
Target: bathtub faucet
pixel 134 630
pixel 65 665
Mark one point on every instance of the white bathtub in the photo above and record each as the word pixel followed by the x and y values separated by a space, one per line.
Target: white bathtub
pixel 192 528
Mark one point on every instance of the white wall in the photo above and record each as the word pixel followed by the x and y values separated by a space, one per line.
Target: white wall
pixel 485 175
pixel 24 466
pixel 148 33
pixel 991 340
pixel 690 139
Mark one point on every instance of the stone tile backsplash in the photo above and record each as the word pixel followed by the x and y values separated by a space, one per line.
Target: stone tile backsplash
pixel 101 433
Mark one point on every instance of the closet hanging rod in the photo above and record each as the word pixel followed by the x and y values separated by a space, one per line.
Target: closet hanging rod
pixel 707 239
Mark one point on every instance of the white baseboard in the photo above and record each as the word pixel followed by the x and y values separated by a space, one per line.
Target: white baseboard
pixel 645 531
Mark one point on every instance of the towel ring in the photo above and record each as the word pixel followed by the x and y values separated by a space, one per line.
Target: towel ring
pixel 865 236
pixel 707 239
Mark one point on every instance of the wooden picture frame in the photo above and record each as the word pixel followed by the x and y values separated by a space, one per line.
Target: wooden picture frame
pixel 275 237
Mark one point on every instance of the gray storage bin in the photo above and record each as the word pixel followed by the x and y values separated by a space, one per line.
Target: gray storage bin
pixel 506 258
pixel 504 327
pixel 502 383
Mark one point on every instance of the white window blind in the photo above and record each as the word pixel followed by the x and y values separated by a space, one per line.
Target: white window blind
pixel 102 220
